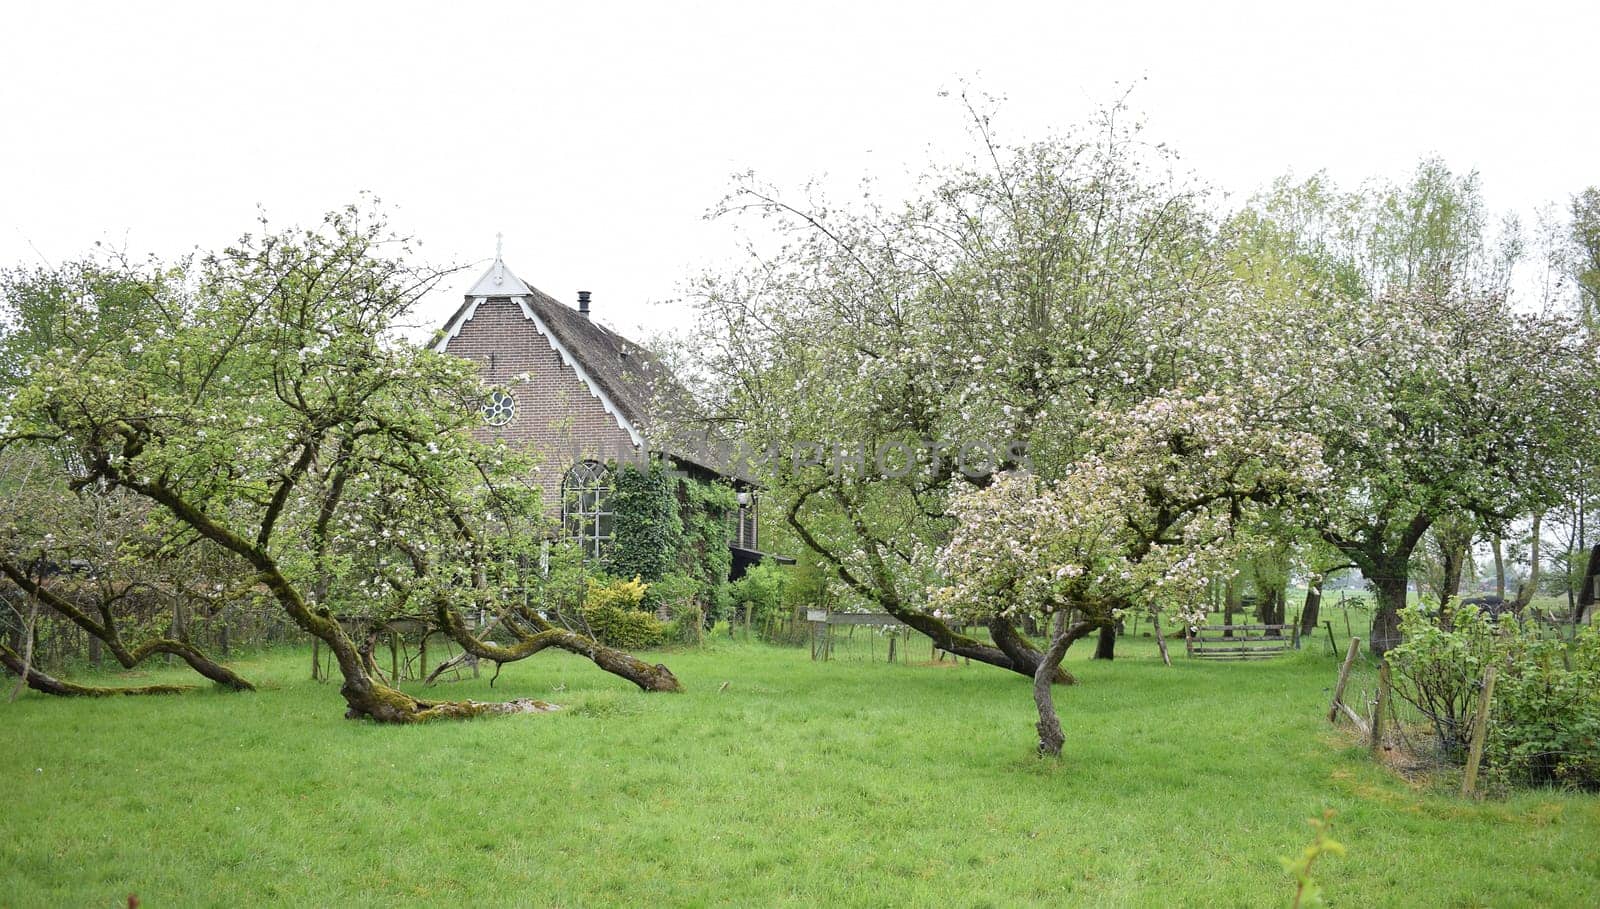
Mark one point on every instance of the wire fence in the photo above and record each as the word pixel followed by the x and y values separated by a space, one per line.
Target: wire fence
pixel 57 643
pixel 1459 731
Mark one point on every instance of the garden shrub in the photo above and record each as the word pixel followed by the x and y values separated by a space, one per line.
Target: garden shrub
pixel 1544 722
pixel 760 592
pixel 615 614
pixel 806 584
pixel 687 625
pixel 1546 713
pixel 680 596
pixel 1438 669
pixel 616 592
pixel 673 594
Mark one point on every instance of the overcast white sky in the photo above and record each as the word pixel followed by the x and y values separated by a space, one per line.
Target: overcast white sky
pixel 595 135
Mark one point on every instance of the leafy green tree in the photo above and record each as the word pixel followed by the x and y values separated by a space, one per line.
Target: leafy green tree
pixel 1585 268
pixel 1436 395
pixel 260 404
pixel 1444 560
pixel 881 358
pixel 82 551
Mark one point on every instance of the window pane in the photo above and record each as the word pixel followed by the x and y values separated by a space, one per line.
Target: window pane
pixel 586 517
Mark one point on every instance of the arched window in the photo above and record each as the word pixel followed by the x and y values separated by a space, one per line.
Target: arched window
pixel 586 506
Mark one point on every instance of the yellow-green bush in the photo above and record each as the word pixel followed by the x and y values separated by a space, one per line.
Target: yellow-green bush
pixel 612 612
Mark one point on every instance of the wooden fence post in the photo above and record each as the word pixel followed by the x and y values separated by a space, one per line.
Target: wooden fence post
pixel 1469 780
pixel 1383 706
pixel 1344 677
pixel 1161 640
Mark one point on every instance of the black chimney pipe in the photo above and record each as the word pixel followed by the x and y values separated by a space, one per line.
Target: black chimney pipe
pixel 583 302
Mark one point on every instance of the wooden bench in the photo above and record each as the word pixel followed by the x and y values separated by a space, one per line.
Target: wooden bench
pixel 1241 642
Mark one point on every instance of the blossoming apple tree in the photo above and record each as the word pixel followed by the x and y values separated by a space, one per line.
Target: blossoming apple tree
pixel 1435 391
pixel 1143 521
pixel 892 355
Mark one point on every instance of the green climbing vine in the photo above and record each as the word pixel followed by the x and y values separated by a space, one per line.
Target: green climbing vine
pixel 706 527
pixel 646 524
pixel 671 531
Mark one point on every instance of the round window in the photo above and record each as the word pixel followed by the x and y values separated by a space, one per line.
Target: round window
pixel 499 407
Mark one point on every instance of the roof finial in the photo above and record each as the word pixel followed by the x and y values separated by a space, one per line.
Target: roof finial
pixel 498 279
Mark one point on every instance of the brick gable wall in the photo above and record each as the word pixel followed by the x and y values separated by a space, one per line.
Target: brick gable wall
pixel 557 416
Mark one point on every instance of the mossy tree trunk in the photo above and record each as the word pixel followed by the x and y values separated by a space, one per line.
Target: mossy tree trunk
pixel 365 695
pixel 1105 647
pixel 104 630
pixel 48 684
pixel 648 677
pixel 1274 609
pixel 1310 612
pixel 1589 590
pixel 1230 605
pixel 1391 588
pixel 1024 656
pixel 1011 649
pixel 1383 551
pixel 1498 545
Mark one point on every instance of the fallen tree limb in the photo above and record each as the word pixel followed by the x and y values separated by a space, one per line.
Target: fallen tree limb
pixel 612 660
pixel 48 684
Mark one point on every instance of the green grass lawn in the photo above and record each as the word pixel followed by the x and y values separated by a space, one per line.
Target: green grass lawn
pixel 849 782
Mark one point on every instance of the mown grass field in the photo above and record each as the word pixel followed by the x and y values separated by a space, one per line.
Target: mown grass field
pixel 845 783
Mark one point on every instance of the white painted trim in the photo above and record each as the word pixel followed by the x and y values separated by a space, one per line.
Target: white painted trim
pixel 577 367
pixel 454 328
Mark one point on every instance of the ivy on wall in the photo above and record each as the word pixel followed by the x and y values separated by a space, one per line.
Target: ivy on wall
pixel 671 531
pixel 706 552
pixel 646 525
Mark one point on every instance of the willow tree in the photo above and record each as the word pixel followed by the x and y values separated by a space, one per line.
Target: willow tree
pixel 258 402
pixel 877 358
pixel 1438 395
